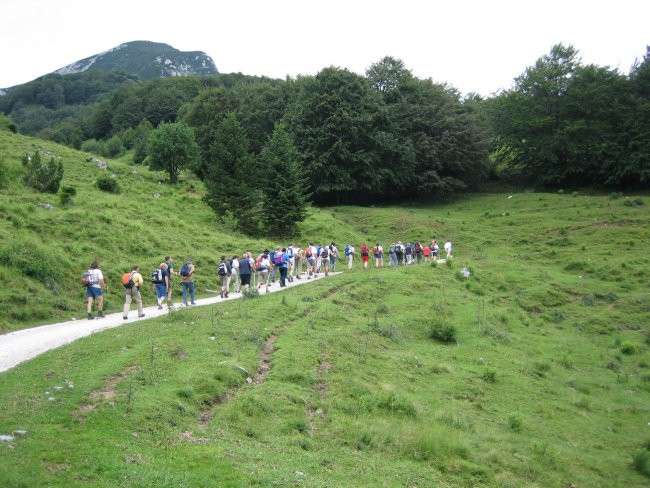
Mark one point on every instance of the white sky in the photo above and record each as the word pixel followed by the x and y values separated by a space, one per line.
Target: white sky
pixel 473 45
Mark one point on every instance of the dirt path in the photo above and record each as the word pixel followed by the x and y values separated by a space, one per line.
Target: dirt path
pixel 22 345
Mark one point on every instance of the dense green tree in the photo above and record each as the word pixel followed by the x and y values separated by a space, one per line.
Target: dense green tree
pixel 333 123
pixel 284 184
pixel 140 139
pixel 172 147
pixel 232 179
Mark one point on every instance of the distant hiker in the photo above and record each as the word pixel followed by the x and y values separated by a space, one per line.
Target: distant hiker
pixel 349 254
pixel 223 274
pixel 427 253
pixel 448 249
pixel 234 277
pixel 434 250
pixel 246 265
pixel 399 252
pixel 419 251
pixel 160 280
pixel 325 256
pixel 170 267
pixel 187 280
pixel 132 291
pixel 292 262
pixel 408 253
pixel 378 252
pixel 95 281
pixel 365 253
pixel 334 257
pixel 262 266
pixel 282 264
pixel 392 257
pixel 310 254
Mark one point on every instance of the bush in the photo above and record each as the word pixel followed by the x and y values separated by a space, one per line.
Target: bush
pixel 66 194
pixel 490 375
pixel 93 146
pixel 44 177
pixel 628 348
pixel 108 184
pixel 442 331
pixel 33 259
pixel 641 462
pixel 249 293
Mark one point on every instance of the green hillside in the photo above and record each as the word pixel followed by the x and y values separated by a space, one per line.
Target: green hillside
pixel 544 379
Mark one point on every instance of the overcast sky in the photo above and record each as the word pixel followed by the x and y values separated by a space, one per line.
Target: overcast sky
pixel 473 45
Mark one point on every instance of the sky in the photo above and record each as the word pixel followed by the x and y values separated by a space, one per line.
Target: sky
pixel 477 46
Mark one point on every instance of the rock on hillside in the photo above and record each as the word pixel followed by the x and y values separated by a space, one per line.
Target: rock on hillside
pixel 147 60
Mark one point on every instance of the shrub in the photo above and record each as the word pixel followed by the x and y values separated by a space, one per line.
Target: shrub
pixel 641 462
pixel 44 177
pixel 628 348
pixel 490 375
pixel 66 194
pixel 515 422
pixel 108 184
pixel 249 293
pixel 442 331
pixel 33 259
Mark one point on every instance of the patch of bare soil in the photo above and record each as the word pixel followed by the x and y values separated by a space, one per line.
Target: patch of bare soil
pixel 608 224
pixel 106 392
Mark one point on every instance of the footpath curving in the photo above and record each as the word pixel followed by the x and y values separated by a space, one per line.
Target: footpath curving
pixel 23 345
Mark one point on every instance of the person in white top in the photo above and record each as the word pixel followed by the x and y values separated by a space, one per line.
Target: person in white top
pixel 234 270
pixel 94 290
pixel 448 249
pixel 350 254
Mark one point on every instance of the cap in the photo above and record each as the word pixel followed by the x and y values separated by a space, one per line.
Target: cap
pixel 188 260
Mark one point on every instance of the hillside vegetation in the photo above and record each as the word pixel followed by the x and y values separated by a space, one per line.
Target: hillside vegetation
pixel 534 371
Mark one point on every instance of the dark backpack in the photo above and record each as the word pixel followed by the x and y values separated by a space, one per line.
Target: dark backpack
pixel 157 276
pixel 185 270
pixel 223 269
pixel 86 279
pixel 279 259
pixel 325 253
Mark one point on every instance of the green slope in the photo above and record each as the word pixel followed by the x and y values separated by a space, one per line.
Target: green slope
pixel 546 384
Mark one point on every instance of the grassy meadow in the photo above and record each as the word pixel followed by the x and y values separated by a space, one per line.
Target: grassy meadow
pixel 532 372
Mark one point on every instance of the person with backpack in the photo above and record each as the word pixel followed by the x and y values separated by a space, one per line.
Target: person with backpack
pixel 427 254
pixel 262 266
pixel 310 254
pixel 325 255
pixel 187 280
pixel 399 252
pixel 160 280
pixel 365 253
pixel 378 252
pixel 392 257
pixel 94 281
pixel 132 291
pixel 349 254
pixel 246 266
pixel 223 275
pixel 408 252
pixel 334 256
pixel 170 267
pixel 282 264
pixel 418 251
pixel 434 250
pixel 299 261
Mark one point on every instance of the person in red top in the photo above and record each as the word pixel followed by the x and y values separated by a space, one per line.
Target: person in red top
pixel 365 252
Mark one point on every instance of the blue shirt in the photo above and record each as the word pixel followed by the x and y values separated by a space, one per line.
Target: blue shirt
pixel 244 266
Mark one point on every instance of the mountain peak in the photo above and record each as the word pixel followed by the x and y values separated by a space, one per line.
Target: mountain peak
pixel 147 60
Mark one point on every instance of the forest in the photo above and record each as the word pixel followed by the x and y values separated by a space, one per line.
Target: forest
pixel 383 137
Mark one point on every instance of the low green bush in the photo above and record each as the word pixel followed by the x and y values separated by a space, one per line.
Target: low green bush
pixel 108 184
pixel 442 331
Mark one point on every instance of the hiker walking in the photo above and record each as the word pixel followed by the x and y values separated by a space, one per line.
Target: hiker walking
pixel 325 256
pixel 282 263
pixel 434 250
pixel 234 278
pixel 448 249
pixel 378 252
pixel 365 253
pixel 334 257
pixel 349 254
pixel 418 252
pixel 246 265
pixel 95 282
pixel 187 280
pixel 132 291
pixel 170 267
pixel 310 254
pixel 399 252
pixel 392 257
pixel 160 280
pixel 262 266
pixel 427 254
pixel 223 274
pixel 408 252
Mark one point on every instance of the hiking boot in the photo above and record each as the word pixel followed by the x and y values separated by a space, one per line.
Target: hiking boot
pixel 185 303
pixel 101 314
pixel 226 295
pixel 90 316
pixel 125 318
pixel 141 315
pixel 193 303
pixel 160 307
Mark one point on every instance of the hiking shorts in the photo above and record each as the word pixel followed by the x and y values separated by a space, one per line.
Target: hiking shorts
pixel 93 292
pixel 245 279
pixel 325 262
pixel 364 258
pixel 312 262
pixel 379 256
pixel 161 291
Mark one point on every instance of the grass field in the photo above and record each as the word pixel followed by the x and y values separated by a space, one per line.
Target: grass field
pixel 543 379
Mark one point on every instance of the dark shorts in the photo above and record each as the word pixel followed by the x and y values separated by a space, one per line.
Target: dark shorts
pixel 161 291
pixel 93 292
pixel 245 279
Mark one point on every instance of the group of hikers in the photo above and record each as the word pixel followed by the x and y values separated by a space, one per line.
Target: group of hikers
pixel 283 264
